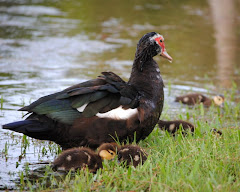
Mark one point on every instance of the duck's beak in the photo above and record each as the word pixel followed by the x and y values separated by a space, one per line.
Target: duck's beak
pixel 165 55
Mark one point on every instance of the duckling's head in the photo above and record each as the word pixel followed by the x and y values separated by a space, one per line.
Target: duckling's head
pixel 108 150
pixel 216 132
pixel 219 100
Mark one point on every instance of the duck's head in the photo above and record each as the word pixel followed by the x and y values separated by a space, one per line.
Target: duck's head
pixel 152 44
pixel 219 100
pixel 108 150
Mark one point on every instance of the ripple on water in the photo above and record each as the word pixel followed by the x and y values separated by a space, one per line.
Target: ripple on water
pixel 47 59
pixel 31 10
pixel 16 154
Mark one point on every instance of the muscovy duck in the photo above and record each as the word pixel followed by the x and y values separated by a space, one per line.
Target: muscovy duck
pixel 103 109
pixel 196 98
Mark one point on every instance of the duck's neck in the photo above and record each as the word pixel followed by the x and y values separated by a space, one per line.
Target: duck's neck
pixel 145 77
pixel 142 56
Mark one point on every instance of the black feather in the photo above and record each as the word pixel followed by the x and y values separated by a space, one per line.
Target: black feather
pixel 53 105
pixel 39 101
pixel 26 126
pixel 97 106
pixel 67 116
pixel 82 90
pixel 90 83
pixel 59 110
pixel 84 99
pixel 125 101
pixel 113 103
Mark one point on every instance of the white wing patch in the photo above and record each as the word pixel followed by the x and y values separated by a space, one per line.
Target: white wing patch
pixel 118 113
pixel 81 109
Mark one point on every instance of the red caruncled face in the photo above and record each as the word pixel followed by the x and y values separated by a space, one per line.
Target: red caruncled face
pixel 160 41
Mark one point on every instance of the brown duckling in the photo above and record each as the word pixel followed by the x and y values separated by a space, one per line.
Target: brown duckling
pixel 132 155
pixel 77 158
pixel 82 157
pixel 196 98
pixel 216 131
pixel 173 126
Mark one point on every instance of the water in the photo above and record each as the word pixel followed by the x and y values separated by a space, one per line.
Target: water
pixel 47 46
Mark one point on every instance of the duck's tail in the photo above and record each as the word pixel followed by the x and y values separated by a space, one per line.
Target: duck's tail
pixel 32 128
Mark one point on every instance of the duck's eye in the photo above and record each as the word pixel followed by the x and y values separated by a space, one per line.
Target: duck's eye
pixel 161 40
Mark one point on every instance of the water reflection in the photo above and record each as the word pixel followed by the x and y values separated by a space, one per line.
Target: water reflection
pixel 224 21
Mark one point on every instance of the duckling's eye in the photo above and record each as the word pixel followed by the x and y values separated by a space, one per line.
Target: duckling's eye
pixel 110 152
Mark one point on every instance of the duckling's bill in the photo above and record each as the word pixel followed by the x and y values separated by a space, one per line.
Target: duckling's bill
pixel 107 154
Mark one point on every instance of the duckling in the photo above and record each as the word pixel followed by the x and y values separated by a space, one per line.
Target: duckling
pixel 173 126
pixel 216 132
pixel 196 98
pixel 80 158
pixel 132 155
pixel 77 158
pixel 108 150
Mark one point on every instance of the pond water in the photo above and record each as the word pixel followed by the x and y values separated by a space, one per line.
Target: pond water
pixel 46 46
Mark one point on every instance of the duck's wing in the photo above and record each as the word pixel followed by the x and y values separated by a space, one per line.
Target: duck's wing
pixel 86 99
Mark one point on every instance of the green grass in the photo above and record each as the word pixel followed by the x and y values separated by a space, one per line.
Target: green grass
pixel 199 162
